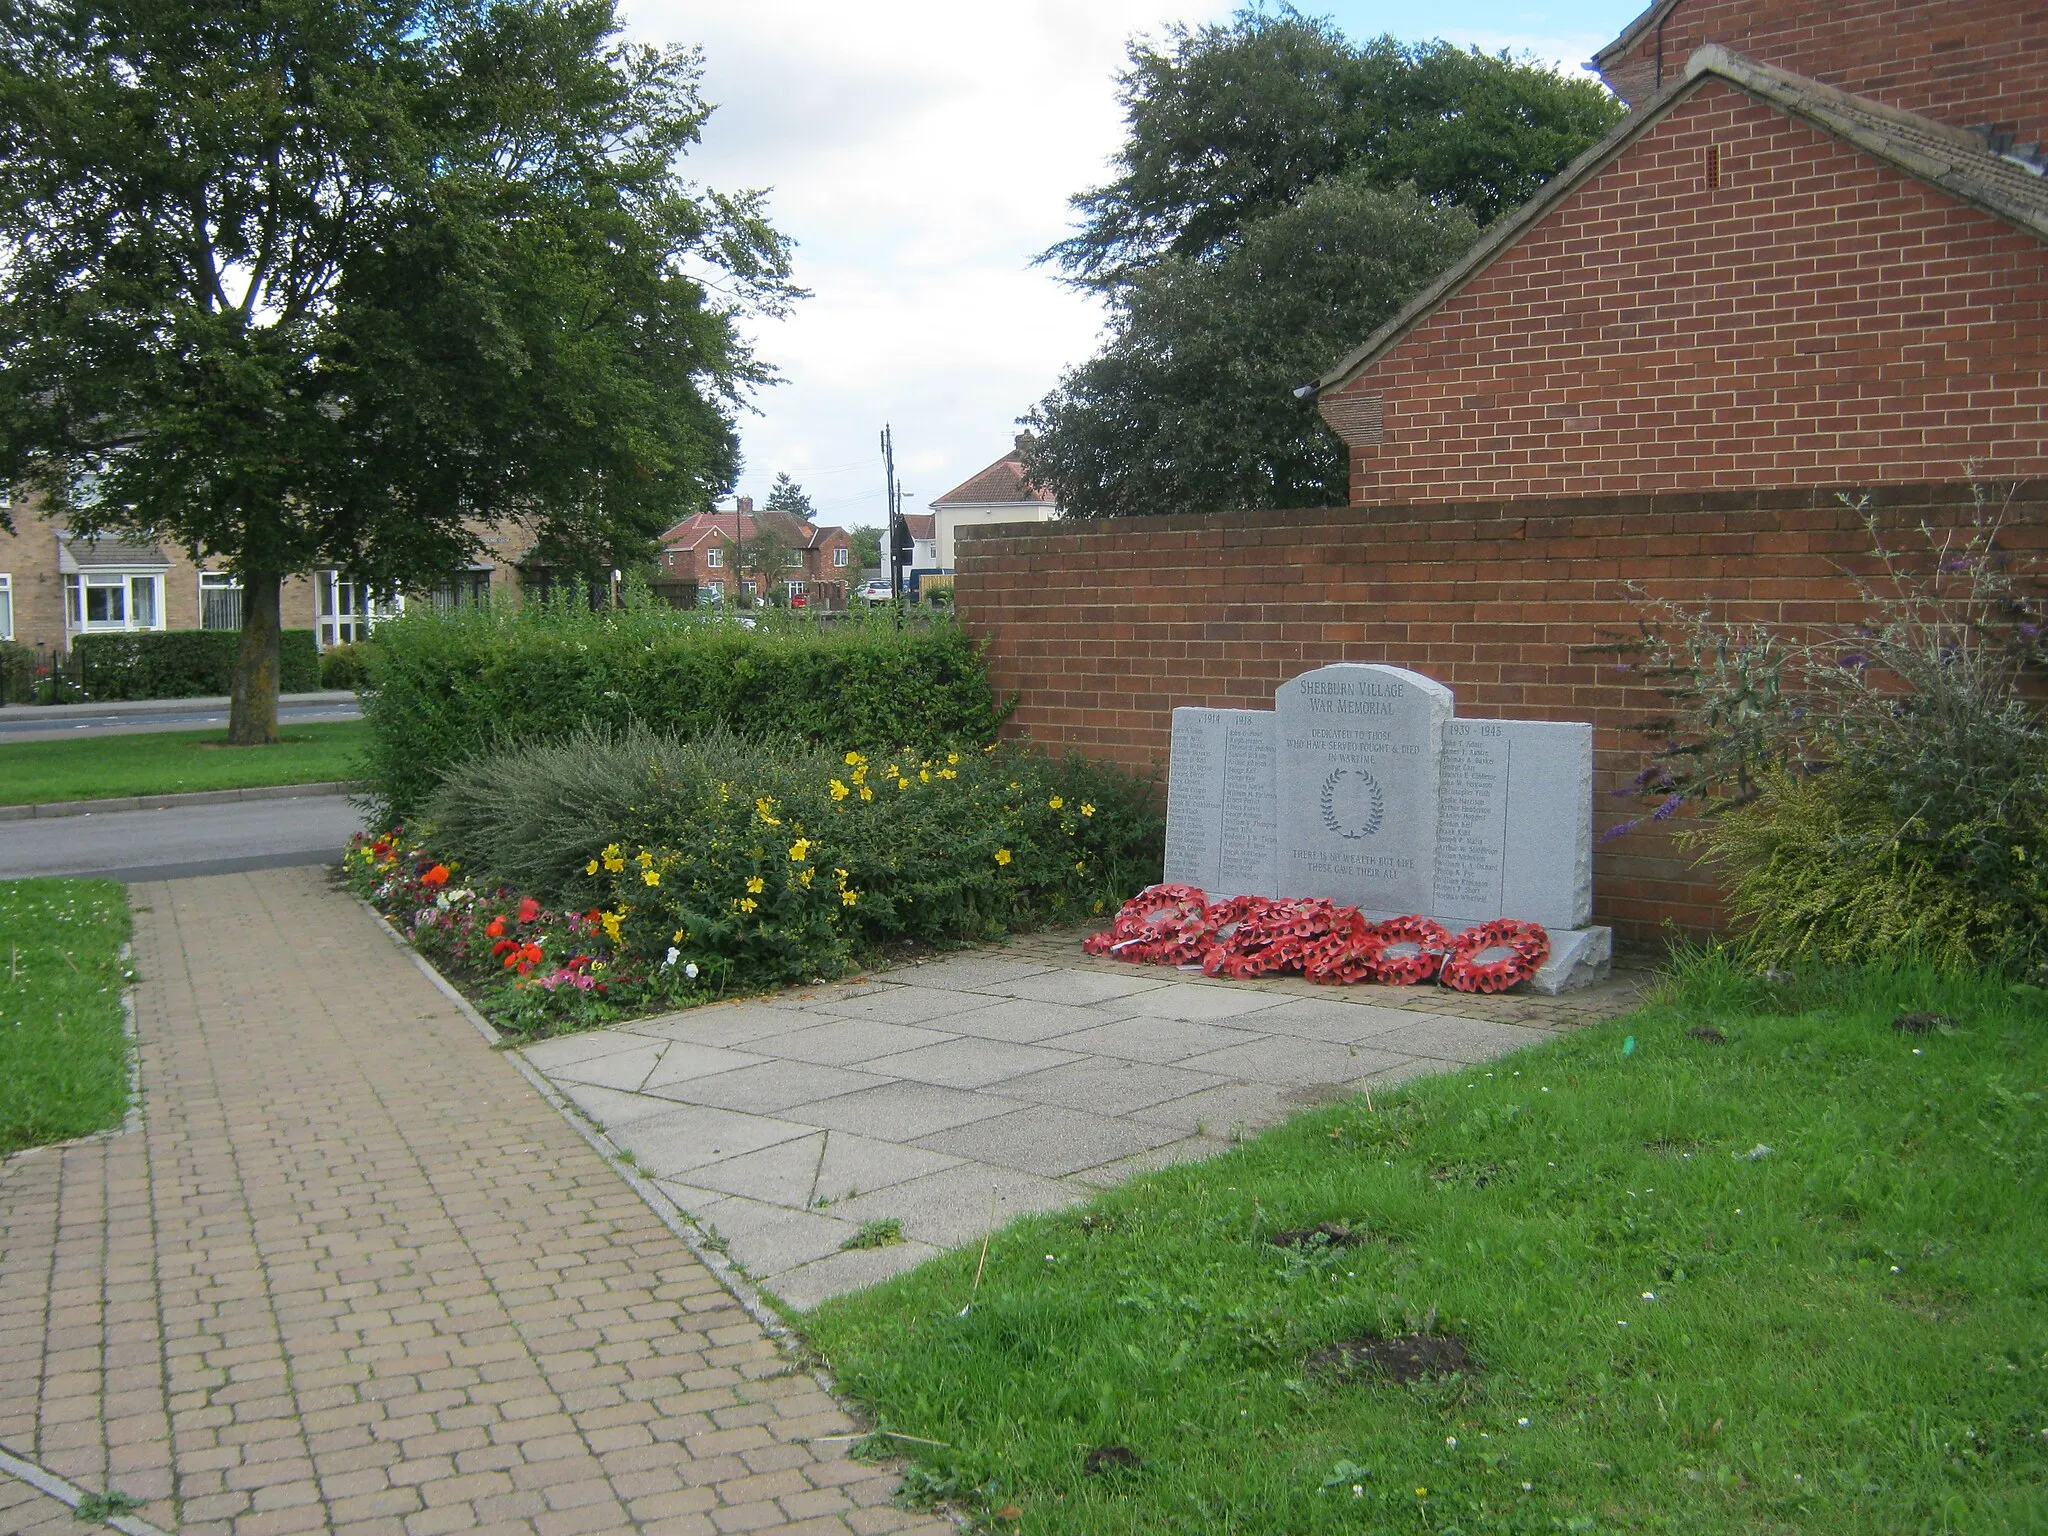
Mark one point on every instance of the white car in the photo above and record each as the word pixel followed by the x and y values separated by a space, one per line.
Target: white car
pixel 875 591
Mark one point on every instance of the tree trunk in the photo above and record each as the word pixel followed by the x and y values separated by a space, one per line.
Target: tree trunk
pixel 252 717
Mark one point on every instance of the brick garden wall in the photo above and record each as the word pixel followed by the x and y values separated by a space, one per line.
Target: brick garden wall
pixel 1101 629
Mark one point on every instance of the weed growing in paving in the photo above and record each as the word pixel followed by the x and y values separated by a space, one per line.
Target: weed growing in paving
pixel 106 1506
pixel 883 1232
pixel 1587 1301
pixel 63 1055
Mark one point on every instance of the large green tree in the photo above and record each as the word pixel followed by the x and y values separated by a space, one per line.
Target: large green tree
pixel 1281 192
pixel 310 283
pixel 787 496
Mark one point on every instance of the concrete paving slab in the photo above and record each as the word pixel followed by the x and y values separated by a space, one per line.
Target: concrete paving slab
pixel 854 1270
pixel 1108 1086
pixel 553 1056
pixel 1160 1040
pixel 623 1070
pixel 1291 1062
pixel 1333 1019
pixel 1191 1002
pixel 608 1106
pixel 776 1238
pixel 900 1111
pixel 1459 1040
pixel 855 1165
pixel 968 973
pixel 849 1042
pixel 1081 987
pixel 684 1061
pixel 1231 1109
pixel 969 1063
pixel 954 1206
pixel 1027 1022
pixel 1189 1149
pixel 769 1088
pixel 720 1024
pixel 680 1138
pixel 1048 1140
pixel 784 1174
pixel 906 1005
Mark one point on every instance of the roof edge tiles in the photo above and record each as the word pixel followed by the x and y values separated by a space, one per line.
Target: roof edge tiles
pixel 1952 160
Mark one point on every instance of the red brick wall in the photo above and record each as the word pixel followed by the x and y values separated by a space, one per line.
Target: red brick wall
pixel 1818 319
pixel 1960 62
pixel 1101 629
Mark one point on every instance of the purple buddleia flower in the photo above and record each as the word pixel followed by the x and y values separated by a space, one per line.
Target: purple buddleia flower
pixel 1620 829
pixel 1668 809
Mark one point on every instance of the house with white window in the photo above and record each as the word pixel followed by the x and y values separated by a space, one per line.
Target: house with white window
pixel 1000 493
pixel 702 548
pixel 56 586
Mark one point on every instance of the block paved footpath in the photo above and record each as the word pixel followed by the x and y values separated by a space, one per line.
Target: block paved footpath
pixel 354 1274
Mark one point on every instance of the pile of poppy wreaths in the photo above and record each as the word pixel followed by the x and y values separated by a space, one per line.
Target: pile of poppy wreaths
pixel 1259 935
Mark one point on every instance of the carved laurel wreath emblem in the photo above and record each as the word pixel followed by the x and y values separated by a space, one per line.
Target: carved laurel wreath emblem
pixel 1366 805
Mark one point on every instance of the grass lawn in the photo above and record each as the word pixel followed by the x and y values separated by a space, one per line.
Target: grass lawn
pixel 63 1056
pixel 171 762
pixel 1791 1279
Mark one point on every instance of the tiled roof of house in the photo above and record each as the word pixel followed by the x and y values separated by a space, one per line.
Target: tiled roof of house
pixel 700 528
pixel 1952 159
pixel 1002 482
pixel 921 524
pixel 107 551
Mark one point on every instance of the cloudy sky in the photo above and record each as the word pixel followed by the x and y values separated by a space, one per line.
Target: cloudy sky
pixel 921 153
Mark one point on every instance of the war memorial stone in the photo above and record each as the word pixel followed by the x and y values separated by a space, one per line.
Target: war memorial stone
pixel 1361 785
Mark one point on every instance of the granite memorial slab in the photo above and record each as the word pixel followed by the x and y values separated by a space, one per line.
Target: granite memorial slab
pixel 1220 802
pixel 1515 822
pixel 1357 785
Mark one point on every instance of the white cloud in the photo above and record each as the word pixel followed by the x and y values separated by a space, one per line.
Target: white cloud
pixel 922 154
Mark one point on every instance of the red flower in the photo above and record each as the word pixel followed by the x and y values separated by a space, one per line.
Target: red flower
pixel 529 909
pixel 504 946
pixel 496 928
pixel 530 953
pixel 438 875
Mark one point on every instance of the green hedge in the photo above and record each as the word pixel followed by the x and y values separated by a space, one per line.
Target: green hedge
pixel 185 663
pixel 445 687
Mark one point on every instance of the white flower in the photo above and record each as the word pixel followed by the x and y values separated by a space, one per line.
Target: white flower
pixel 1451 1441
pixel 1649 1295
pixel 690 970
pixel 1523 1423
pixel 672 957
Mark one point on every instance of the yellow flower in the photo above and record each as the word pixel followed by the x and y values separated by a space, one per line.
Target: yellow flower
pixel 747 903
pixel 806 877
pixel 756 885
pixel 990 747
pixel 1002 855
pixel 890 772
pixel 849 898
pixel 615 864
pixel 1056 802
pixel 841 874
pixel 650 877
pixel 1080 865
pixel 866 793
pixel 839 790
pixel 1087 810
pixel 947 773
pixel 590 868
pixel 644 859
pixel 854 759
pixel 860 774
pixel 952 759
pixel 799 850
pixel 924 775
pixel 765 809
pixel 903 783
pixel 679 935
pixel 611 850
pixel 610 923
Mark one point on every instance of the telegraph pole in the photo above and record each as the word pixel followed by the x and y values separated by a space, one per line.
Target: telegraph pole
pixel 899 531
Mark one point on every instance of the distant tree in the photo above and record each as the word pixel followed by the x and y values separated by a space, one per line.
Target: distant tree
pixel 1191 407
pixel 1231 123
pixel 787 496
pixel 867 547
pixel 309 283
pixel 1282 193
pixel 763 555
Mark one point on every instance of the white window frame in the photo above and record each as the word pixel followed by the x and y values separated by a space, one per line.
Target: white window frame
pixel 839 555
pixel 127 582
pixel 345 610
pixel 6 605
pixel 714 558
pixel 794 557
pixel 219 582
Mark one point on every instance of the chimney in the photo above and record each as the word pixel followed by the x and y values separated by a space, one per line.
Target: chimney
pixel 1024 441
pixel 746 504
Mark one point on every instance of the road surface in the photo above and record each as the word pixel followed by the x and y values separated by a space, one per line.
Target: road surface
pixel 32 723
pixel 175 843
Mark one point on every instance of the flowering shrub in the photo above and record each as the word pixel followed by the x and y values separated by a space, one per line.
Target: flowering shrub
pixel 689 870
pixel 1877 789
pixel 531 968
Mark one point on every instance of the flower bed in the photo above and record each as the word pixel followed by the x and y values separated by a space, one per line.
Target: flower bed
pixel 731 868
